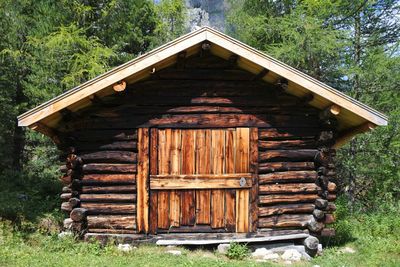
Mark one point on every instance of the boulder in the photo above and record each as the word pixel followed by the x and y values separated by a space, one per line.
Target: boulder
pixel 223 248
pixel 291 255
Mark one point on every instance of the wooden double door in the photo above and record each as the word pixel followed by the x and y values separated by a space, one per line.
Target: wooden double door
pixel 199 180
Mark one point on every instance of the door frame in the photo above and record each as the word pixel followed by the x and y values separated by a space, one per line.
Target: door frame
pixel 146 151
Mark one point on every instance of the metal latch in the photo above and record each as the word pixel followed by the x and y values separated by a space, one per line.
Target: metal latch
pixel 242 182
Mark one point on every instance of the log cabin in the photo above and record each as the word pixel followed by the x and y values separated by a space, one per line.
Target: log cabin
pixel 203 140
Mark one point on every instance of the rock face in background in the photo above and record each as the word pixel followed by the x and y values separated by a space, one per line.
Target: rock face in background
pixel 206 13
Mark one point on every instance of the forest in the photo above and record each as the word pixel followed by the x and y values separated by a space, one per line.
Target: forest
pixel 48 47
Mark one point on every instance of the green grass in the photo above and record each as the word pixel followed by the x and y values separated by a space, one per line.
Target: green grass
pixel 374 237
pixel 30 221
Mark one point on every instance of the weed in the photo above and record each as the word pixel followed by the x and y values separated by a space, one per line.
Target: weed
pixel 237 251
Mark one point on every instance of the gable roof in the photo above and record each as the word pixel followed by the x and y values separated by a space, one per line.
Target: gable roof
pixel 353 113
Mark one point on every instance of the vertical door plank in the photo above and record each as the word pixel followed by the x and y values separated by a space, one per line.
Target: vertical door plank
pixel 164 148
pixel 203 157
pixel 163 209
pixel 230 194
pixel 175 168
pixel 242 150
pixel 217 196
pixel 242 210
pixel 142 181
pixel 242 166
pixel 153 171
pixel 188 167
pixel 253 158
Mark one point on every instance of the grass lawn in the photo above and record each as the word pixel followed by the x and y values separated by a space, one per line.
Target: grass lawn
pixel 374 237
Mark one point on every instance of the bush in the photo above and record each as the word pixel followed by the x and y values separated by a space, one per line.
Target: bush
pixel 237 251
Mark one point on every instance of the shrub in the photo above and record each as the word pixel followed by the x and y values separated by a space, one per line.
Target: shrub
pixel 237 251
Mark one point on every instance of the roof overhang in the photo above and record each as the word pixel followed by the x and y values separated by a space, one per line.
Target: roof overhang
pixel 353 113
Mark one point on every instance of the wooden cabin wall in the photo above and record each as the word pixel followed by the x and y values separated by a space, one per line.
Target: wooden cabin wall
pixel 295 166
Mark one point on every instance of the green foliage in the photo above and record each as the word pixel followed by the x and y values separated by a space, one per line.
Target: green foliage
pixel 237 251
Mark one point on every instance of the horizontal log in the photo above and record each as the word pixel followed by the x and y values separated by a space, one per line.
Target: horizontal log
pixel 78 214
pixel 288 133
pixel 211 100
pixel 66 179
pixel 114 145
pixel 319 214
pixel 321 203
pixel 285 220
pixel 287 144
pixel 288 155
pixel 66 189
pixel 329 218
pixel 289 188
pixel 66 207
pixel 113 231
pixel 108 198
pixel 289 176
pixel 109 156
pixel 311 244
pixel 109 189
pixel 203 74
pixel 108 178
pixel 108 168
pixel 102 135
pixel 285 166
pixel 331 197
pixel 74 202
pixel 315 226
pixel 328 232
pixel 284 209
pixel 332 187
pixel 275 199
pixel 132 109
pixel 331 207
pixel 65 196
pixel 112 221
pixel 109 208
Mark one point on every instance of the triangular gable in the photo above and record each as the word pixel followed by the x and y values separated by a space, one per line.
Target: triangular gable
pixel 354 114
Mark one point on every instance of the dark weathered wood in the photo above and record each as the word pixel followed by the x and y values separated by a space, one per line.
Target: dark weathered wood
pixel 287 144
pixel 108 189
pixel 66 207
pixel 285 220
pixel 198 121
pixel 108 198
pixel 109 157
pixel 285 166
pixel 283 209
pixel 289 176
pixel 108 178
pixel 143 180
pixel 311 244
pixel 65 196
pixel 78 214
pixel 114 145
pixel 328 232
pixel 112 221
pixel 321 203
pixel 108 208
pixel 295 198
pixel 288 155
pixel 319 214
pixel 289 188
pixel 331 207
pixel 253 158
pixel 204 74
pixel 329 218
pixel 314 225
pixel 108 168
pixel 288 133
pixel 103 135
